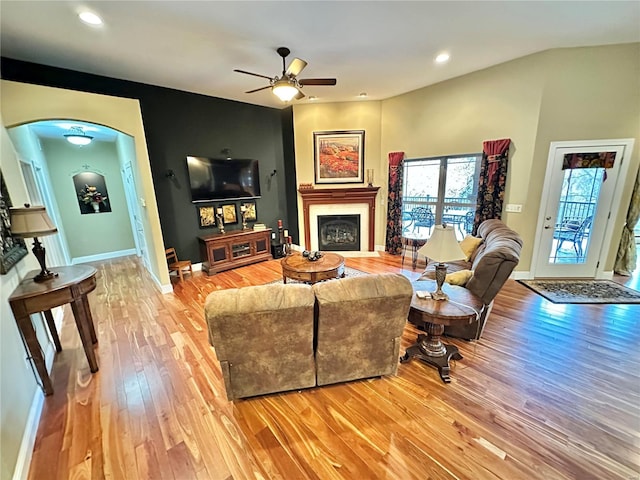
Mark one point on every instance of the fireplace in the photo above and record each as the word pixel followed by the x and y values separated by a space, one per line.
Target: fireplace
pixel 339 233
pixel 339 202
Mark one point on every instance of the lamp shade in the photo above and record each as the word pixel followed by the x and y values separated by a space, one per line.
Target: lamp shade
pixel 284 90
pixel 31 222
pixel 443 245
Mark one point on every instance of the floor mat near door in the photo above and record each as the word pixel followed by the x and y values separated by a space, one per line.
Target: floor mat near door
pixel 583 291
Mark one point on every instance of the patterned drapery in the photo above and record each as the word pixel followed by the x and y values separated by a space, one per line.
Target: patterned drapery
pixel 493 179
pixel 626 257
pixel 394 204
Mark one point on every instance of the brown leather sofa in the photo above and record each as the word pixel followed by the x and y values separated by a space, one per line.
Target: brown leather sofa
pixel 491 263
pixel 275 338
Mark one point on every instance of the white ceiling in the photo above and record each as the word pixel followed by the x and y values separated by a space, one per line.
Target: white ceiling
pixel 383 48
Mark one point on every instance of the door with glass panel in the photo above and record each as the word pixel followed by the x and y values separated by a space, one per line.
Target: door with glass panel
pixel 577 202
pixel 440 190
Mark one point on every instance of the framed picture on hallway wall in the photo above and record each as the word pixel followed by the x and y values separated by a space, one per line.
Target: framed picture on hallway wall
pixel 338 156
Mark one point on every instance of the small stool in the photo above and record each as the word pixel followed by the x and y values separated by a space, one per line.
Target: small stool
pixel 414 244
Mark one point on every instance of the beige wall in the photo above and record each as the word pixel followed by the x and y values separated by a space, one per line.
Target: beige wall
pixel 361 115
pixel 17 383
pixel 567 94
pixel 24 103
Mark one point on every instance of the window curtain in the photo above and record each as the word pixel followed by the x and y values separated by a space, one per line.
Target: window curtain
pixel 493 178
pixel 626 257
pixel 394 204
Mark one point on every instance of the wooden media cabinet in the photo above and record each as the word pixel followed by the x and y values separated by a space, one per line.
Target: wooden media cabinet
pixel 224 251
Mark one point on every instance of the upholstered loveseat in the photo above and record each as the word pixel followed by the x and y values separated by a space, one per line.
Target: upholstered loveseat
pixel 275 338
pixel 489 267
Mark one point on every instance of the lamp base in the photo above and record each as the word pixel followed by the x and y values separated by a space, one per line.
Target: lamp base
pixel 44 275
pixel 441 273
pixel 39 251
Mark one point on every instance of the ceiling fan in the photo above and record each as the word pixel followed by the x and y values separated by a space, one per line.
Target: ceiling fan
pixel 288 86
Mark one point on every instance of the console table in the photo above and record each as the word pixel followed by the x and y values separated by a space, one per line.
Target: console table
pixel 71 285
pixel 224 251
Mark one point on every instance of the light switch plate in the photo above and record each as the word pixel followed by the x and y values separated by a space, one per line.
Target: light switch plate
pixel 513 207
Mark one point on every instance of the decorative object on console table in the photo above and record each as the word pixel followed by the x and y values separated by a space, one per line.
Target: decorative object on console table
pixel 33 222
pixel 243 214
pixel 12 248
pixel 219 218
pixel 442 247
pixel 339 156
pixel 206 217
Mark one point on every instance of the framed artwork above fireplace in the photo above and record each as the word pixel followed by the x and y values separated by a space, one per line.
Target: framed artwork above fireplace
pixel 339 156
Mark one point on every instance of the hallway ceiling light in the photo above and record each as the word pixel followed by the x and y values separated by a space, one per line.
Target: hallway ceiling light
pixel 90 18
pixel 78 137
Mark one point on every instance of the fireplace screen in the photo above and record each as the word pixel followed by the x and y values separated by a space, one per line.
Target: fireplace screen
pixel 339 232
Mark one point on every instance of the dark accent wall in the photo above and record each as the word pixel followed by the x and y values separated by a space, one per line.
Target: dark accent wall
pixel 178 124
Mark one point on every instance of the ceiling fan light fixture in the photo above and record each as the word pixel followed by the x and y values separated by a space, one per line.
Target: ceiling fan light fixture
pixel 284 90
pixel 78 137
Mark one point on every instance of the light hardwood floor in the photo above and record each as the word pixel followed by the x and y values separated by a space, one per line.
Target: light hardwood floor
pixel 549 392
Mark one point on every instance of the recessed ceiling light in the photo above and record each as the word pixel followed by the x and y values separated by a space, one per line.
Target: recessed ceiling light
pixel 362 94
pixel 442 58
pixel 90 18
pixel 313 97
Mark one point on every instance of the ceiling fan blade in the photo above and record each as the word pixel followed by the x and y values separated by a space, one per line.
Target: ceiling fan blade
pixel 258 89
pixel 317 81
pixel 295 67
pixel 299 95
pixel 251 73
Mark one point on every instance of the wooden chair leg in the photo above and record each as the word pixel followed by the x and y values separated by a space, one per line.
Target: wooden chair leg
pixel 180 274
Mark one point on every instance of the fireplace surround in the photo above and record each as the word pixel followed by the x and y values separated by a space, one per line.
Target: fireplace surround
pixel 340 196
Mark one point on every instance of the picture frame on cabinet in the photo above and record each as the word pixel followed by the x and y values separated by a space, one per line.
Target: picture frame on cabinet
pixel 251 213
pixel 229 213
pixel 206 216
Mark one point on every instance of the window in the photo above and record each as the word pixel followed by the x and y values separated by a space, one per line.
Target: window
pixel 437 190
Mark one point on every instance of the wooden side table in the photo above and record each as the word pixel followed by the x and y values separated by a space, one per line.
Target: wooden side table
pixel 431 316
pixel 71 286
pixel 297 267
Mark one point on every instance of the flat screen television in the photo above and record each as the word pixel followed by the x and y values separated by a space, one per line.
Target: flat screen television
pixel 223 179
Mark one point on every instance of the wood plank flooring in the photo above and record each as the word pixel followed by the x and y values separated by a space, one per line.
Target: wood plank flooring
pixel 549 392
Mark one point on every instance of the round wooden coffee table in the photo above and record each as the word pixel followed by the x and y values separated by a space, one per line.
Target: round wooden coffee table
pixel 297 267
pixel 431 316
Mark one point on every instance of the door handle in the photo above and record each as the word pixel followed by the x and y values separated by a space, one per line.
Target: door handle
pixel 547 227
pixel 548 218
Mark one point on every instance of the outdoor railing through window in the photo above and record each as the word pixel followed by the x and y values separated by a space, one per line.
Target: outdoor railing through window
pixel 447 187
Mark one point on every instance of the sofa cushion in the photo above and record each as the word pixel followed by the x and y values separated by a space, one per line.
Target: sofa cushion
pixel 469 244
pixel 359 326
pixel 263 337
pixel 461 277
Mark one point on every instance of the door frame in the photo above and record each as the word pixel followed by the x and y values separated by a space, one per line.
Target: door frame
pixel 628 144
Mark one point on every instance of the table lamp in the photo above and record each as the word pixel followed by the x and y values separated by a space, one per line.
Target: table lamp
pixel 33 222
pixel 442 247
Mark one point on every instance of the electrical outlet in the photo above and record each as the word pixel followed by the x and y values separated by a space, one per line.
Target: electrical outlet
pixel 513 207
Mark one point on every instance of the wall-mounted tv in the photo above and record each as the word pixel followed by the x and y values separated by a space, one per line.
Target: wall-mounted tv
pixel 223 179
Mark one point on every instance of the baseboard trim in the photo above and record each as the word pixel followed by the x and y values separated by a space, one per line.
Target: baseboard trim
pixel 518 275
pixel 103 256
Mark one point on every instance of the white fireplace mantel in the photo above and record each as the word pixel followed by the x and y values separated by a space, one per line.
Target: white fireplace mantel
pixel 332 196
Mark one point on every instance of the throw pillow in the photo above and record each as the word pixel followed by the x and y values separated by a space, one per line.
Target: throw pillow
pixel 460 277
pixel 469 245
